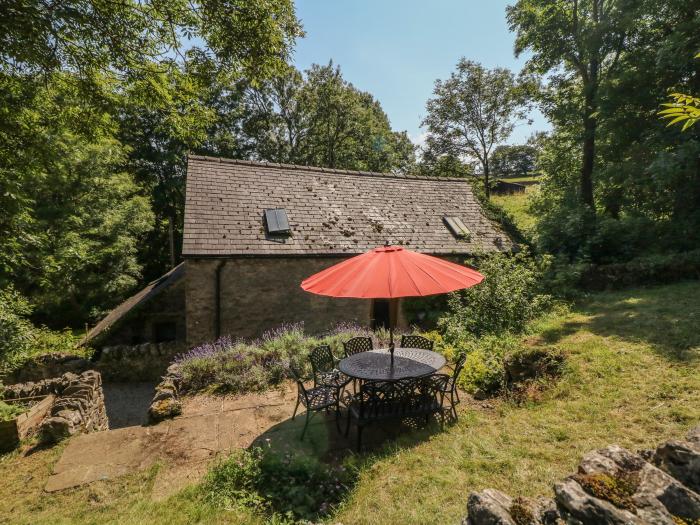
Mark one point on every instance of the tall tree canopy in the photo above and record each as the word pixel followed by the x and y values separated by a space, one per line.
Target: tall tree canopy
pixel 472 112
pixel 319 118
pixel 101 101
pixel 618 182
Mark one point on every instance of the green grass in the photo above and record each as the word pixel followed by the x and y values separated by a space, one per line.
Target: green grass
pixel 517 205
pixel 632 377
pixel 9 412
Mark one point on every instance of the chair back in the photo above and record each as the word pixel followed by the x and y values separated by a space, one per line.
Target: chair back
pixel 459 364
pixel 385 398
pixel 322 360
pixel 298 379
pixel 416 341
pixel 429 390
pixel 357 345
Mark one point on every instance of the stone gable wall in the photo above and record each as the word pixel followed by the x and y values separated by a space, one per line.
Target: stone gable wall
pixel 261 293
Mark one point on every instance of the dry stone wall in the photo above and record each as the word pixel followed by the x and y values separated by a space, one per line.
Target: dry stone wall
pixel 166 401
pixel 613 486
pixel 78 407
pixel 144 362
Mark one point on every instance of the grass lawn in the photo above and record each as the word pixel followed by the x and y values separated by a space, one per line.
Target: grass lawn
pixel 632 378
pixel 517 206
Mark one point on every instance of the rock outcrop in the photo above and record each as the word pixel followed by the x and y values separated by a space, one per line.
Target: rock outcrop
pixel 613 486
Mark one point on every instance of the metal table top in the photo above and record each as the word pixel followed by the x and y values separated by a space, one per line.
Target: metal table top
pixel 375 365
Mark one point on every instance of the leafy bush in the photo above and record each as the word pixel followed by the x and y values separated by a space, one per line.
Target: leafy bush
pixel 20 340
pixel 9 412
pixel 16 332
pixel 509 297
pixel 286 487
pixel 484 371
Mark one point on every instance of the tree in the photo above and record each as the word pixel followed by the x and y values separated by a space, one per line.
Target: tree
pixel 320 119
pixel 472 112
pixel 70 238
pixel 252 37
pixel 580 41
pixel 513 160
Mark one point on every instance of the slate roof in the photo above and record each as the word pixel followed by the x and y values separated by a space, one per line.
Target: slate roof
pixel 331 212
pixel 138 299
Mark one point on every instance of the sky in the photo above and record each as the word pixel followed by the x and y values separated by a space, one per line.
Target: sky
pixel 396 49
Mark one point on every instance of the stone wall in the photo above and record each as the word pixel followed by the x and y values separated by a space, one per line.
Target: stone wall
pixel 613 486
pixel 78 407
pixel 260 293
pixel 121 363
pixel 166 400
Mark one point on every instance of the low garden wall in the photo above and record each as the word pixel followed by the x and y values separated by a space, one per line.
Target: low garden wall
pixel 144 362
pixel 613 485
pixel 78 404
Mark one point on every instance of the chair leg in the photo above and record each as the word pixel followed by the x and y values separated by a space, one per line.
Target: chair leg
pixel 306 424
pixel 296 407
pixel 456 393
pixel 337 415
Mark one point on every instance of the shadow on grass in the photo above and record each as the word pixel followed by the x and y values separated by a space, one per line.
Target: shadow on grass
pixel 665 317
pixel 323 441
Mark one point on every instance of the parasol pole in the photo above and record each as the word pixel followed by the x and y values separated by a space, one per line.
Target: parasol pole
pixel 393 304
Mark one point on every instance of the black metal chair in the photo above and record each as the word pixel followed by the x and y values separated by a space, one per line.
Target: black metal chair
pixel 325 371
pixel 416 341
pixel 406 398
pixel 357 345
pixel 451 385
pixel 315 400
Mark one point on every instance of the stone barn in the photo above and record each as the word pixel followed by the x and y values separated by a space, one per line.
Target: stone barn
pixel 253 231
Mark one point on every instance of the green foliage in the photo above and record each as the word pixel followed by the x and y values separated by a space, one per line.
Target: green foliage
pixel 617 183
pixel 246 366
pixel 8 412
pixel 320 119
pixel 472 112
pixel 70 239
pixel 684 109
pixel 513 160
pixel 483 370
pixel 20 340
pixel 288 488
pixel 508 298
pixel 96 36
pixel 16 332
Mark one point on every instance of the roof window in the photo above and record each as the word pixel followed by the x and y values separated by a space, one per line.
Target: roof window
pixel 277 222
pixel 457 227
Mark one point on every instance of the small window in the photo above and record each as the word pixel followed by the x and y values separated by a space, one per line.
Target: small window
pixel 457 227
pixel 277 222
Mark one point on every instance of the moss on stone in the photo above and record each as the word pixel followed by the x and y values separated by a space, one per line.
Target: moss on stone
pixel 521 512
pixel 617 489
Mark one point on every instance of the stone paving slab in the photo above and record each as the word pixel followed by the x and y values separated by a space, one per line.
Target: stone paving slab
pixel 209 427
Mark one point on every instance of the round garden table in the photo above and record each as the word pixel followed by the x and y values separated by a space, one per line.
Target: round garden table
pixel 375 365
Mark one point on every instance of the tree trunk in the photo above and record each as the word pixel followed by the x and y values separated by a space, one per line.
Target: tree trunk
pixel 487 188
pixel 589 130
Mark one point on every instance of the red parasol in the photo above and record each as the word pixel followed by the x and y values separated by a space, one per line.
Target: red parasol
pixel 391 272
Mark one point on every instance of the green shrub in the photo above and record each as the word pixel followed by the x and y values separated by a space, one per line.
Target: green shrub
pixel 16 332
pixel 508 298
pixel 285 487
pixel 10 411
pixel 20 340
pixel 484 370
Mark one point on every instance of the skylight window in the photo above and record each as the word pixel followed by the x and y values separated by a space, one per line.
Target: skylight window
pixel 277 222
pixel 457 227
